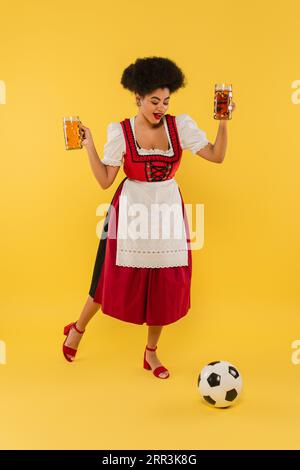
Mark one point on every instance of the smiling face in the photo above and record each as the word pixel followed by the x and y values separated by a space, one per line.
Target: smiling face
pixel 154 105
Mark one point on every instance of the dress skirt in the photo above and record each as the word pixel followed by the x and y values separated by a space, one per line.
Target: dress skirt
pixel 155 296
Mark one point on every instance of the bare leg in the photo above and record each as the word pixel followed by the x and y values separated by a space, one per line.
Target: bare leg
pixel 153 337
pixel 89 310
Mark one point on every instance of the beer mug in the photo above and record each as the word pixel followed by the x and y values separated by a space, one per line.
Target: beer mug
pixel 222 101
pixel 73 133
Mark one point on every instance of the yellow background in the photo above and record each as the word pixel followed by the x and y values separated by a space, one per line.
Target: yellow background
pixel 66 58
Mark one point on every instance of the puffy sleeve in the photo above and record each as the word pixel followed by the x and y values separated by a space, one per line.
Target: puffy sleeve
pixel 191 137
pixel 115 146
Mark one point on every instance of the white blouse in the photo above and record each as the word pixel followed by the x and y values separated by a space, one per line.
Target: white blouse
pixel 190 135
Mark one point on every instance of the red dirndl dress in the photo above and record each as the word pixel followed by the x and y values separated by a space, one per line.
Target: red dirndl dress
pixel 155 296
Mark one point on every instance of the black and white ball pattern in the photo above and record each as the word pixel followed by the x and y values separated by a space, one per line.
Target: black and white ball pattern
pixel 220 383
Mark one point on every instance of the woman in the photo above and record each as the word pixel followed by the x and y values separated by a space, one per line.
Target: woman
pixel 144 279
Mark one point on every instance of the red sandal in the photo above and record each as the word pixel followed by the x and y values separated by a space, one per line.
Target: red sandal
pixel 68 352
pixel 158 369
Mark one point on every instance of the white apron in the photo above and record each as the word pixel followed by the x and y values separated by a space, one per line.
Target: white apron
pixel 151 231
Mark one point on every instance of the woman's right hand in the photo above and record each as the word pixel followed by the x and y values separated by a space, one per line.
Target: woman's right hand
pixel 87 139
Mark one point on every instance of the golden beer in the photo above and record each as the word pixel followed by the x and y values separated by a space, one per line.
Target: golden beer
pixel 72 133
pixel 222 101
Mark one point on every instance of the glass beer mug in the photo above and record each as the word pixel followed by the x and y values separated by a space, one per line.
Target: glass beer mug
pixel 73 133
pixel 222 101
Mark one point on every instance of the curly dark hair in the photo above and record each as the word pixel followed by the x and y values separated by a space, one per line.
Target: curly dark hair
pixel 150 73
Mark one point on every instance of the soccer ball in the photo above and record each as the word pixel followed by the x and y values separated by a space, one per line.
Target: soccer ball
pixel 220 383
